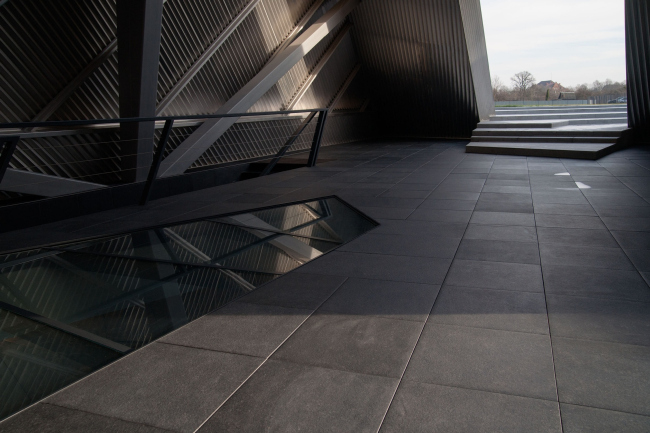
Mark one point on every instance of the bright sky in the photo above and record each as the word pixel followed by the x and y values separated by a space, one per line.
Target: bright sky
pixel 568 41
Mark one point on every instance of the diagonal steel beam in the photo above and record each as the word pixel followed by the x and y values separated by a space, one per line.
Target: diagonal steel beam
pixel 193 147
pixel 26 182
pixel 313 74
pixel 344 87
pixel 203 59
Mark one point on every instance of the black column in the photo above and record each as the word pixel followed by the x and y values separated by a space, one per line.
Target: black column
pixel 139 24
pixel 637 41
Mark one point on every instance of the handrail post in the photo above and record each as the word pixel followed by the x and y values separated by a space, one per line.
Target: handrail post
pixel 7 148
pixel 318 135
pixel 157 159
pixel 267 170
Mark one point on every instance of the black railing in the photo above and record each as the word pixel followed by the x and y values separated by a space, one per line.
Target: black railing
pixel 11 134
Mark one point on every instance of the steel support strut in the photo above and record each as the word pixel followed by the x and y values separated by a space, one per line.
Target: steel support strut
pixel 157 159
pixel 318 136
pixel 287 145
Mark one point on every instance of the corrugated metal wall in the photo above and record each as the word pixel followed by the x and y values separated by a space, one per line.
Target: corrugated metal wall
pixel 415 54
pixel 637 35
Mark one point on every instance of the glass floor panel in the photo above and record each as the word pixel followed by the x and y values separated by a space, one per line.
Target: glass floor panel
pixel 69 309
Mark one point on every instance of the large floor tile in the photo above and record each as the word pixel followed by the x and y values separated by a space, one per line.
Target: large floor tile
pixel 594 282
pixel 503 206
pixel 576 237
pixel 424 270
pixel 243 328
pixel 423 407
pixel 503 218
pixel 295 290
pixel 425 228
pixel 462 205
pixel 444 216
pixel 599 319
pixel 361 344
pixel 417 245
pixel 633 240
pixel 493 309
pixel 565 209
pixel 162 385
pixel 48 418
pixel 514 363
pixel 627 224
pixel 390 299
pixel 501 233
pixel 387 213
pixel 604 375
pixel 569 221
pixel 286 397
pixel 498 251
pixel 580 419
pixel 590 257
pixel 493 275
pixel 640 259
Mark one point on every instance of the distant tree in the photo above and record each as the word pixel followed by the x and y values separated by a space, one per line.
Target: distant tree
pixel 522 82
pixel 598 86
pixel 498 88
pixel 548 91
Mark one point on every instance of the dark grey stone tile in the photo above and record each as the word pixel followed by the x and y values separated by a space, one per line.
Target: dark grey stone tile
pixel 503 218
pixel 361 344
pixel 500 182
pixel 501 233
pixel 633 240
pixel 386 202
pixel 503 206
pixel 287 397
pixel 253 198
pixel 493 275
pixel 564 209
pixel 423 270
pixel 493 309
pixel 509 175
pixel 640 259
pixel 569 221
pixel 624 211
pixel 590 257
pixel 445 195
pixel 436 215
pixel 48 418
pixel 353 193
pixel 423 407
pixel 498 251
pixel 627 224
pixel 577 237
pixel 403 193
pixel 390 299
pixel 506 198
pixel 603 375
pixel 416 245
pixel 420 227
pixel 294 290
pixel 616 200
pixel 597 283
pixel 248 329
pixel 506 189
pixel 161 385
pixel 385 212
pixel 564 197
pixel 466 205
pixel 580 419
pixel 616 321
pixel 514 363
pixel 427 187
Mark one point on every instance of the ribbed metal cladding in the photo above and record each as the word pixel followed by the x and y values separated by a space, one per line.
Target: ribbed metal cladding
pixel 637 38
pixel 356 95
pixel 241 56
pixel 43 45
pixel 478 56
pixel 415 54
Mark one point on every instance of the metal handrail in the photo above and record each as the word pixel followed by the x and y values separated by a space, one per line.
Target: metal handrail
pixel 8 143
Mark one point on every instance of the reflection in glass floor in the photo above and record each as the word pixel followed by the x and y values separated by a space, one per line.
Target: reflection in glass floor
pixel 69 309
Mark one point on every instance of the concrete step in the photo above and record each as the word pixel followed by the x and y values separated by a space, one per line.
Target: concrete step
pixel 534 132
pixel 590 151
pixel 558 116
pixel 533 139
pixel 550 110
pixel 507 125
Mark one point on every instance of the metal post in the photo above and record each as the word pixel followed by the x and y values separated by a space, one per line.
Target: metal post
pixel 6 152
pixel 157 159
pixel 318 135
pixel 287 145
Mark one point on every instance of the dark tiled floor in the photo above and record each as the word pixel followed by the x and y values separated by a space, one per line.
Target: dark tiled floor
pixel 495 296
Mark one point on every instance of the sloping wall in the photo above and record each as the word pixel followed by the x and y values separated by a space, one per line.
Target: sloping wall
pixel 637 36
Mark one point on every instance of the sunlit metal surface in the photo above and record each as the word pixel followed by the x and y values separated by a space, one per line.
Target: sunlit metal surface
pixel 69 309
